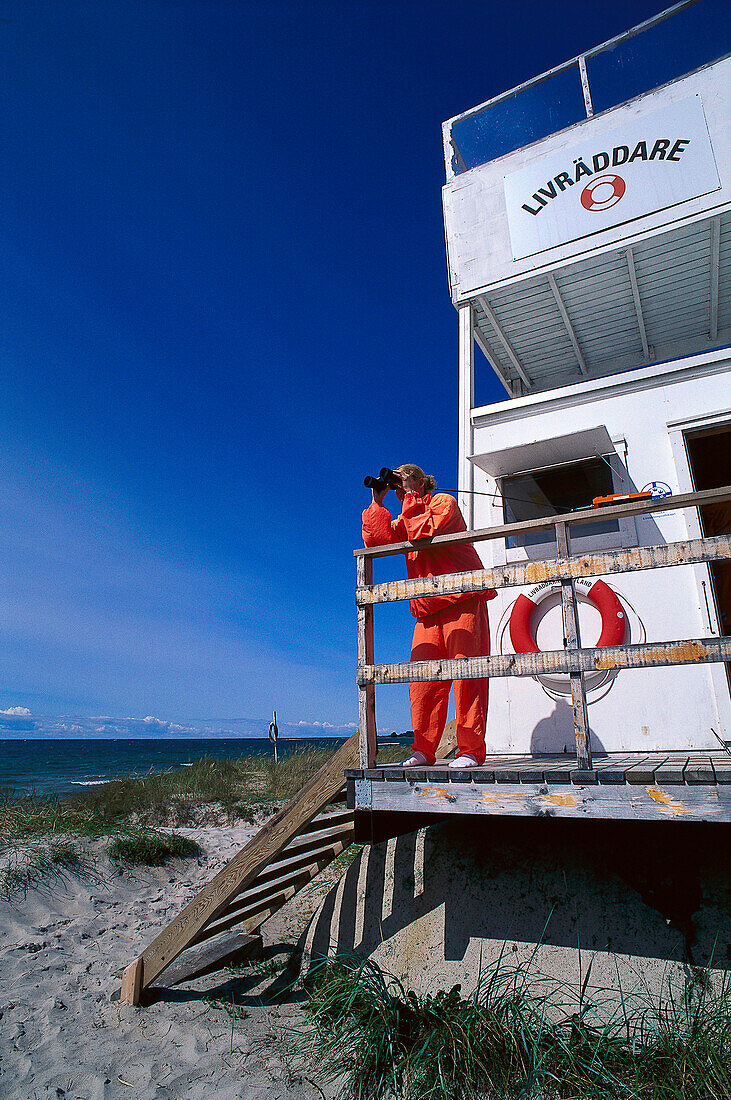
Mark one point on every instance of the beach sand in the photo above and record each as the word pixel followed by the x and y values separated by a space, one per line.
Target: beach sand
pixel 62 951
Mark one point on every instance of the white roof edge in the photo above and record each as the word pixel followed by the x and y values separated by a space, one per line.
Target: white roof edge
pixel 640 377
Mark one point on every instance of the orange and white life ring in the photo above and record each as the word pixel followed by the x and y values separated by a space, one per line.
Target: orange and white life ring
pixel 606 601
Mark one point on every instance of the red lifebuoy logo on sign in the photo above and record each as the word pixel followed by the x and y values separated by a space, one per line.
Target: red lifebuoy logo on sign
pixel 603 192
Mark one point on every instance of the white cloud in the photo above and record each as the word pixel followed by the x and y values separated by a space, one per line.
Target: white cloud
pixel 328 725
pixel 17 712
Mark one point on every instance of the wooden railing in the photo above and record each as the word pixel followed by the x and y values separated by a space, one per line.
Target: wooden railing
pixel 564 570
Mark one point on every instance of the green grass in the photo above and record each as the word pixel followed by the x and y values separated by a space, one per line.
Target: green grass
pixel 151 848
pixel 284 779
pixel 226 788
pixel 506 1041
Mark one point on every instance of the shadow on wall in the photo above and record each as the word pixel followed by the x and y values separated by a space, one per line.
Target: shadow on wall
pixel 555 733
pixel 660 890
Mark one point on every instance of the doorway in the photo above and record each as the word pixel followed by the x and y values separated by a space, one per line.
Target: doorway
pixel 709 457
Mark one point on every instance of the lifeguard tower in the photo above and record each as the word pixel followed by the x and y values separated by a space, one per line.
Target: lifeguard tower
pixel 587 218
pixel 588 226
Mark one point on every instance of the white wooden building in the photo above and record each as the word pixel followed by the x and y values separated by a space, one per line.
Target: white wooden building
pixel 588 226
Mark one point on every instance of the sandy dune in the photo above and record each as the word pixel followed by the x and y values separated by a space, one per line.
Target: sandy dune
pixel 62 951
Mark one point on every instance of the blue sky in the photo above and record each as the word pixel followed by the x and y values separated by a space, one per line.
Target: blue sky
pixel 223 301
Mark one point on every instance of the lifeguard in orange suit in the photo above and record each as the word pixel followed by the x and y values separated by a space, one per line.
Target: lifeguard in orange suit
pixel 446 626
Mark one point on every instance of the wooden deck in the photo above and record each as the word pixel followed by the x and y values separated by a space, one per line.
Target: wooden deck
pixel 643 786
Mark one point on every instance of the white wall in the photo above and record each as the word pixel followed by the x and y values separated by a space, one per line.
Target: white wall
pixel 663 708
pixel 478 243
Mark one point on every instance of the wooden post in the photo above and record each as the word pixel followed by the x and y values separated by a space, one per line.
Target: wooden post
pixel 132 983
pixel 572 641
pixel 366 694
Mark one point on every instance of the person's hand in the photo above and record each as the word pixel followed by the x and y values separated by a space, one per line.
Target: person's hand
pixel 378 496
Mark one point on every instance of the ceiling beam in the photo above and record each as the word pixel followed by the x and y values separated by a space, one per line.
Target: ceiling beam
pixel 492 359
pixel 567 323
pixel 638 303
pixel 490 313
pixel 715 266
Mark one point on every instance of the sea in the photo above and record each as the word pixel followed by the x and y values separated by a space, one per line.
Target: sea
pixel 66 766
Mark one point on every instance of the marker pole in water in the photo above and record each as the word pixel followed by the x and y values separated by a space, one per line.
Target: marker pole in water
pixel 273 735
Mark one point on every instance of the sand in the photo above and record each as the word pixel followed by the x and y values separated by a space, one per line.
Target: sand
pixel 62 952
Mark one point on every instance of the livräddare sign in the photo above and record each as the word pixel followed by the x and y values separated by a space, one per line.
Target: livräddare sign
pixel 648 164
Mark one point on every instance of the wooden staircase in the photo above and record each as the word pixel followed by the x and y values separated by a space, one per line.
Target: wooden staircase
pixel 285 855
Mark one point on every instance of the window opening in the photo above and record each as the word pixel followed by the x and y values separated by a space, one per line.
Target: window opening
pixel 552 491
pixel 709 455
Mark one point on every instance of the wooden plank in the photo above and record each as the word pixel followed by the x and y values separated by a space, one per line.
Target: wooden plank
pixel 672 770
pixel 460 775
pixel 494 768
pixel 638 303
pixel 640 803
pixel 210 957
pixel 249 918
pixel 437 775
pixel 561 568
pixel 552 278
pixel 390 775
pixel 246 865
pixel 132 983
pixel 693 651
pixel 448 741
pixel 310 842
pixel 526 770
pixel 699 769
pixel 368 741
pixel 484 774
pixel 587 515
pixel 284 866
pixel 611 769
pixel 644 770
pixel 297 877
pixel 558 770
pixel 582 776
pixel 722 769
pixel 327 821
pixel 572 643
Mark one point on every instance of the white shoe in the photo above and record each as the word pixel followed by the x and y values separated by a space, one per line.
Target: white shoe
pixel 418 760
pixel 466 761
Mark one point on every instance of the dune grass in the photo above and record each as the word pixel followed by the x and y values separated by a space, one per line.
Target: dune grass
pixel 150 847
pixel 28 865
pixel 504 1042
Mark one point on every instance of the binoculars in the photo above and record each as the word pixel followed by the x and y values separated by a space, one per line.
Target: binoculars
pixel 387 479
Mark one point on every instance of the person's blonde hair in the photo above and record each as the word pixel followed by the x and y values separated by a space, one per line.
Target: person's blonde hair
pixel 417 474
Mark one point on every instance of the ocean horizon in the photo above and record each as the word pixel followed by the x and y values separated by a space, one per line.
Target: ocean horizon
pixel 62 754
pixel 62 766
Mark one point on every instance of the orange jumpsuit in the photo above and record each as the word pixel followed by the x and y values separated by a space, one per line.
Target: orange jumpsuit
pixel 446 626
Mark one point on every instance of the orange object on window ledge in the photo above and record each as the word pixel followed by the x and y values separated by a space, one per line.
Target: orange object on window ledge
pixel 620 498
